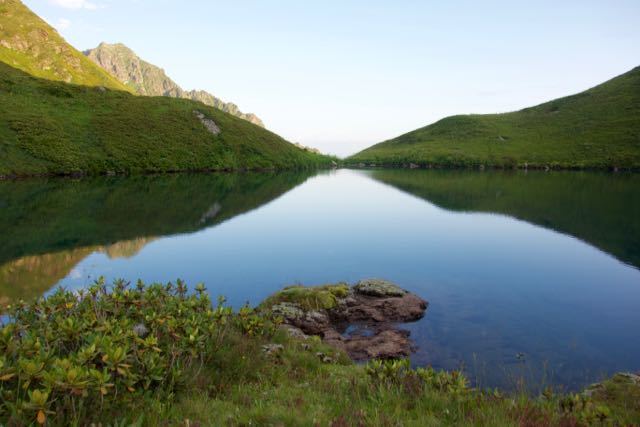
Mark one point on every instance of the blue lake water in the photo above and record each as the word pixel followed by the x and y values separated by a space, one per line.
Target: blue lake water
pixel 528 275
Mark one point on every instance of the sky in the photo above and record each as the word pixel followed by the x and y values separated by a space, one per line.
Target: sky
pixel 341 75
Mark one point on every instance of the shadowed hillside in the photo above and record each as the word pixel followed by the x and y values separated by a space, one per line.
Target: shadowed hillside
pixel 62 114
pixel 49 127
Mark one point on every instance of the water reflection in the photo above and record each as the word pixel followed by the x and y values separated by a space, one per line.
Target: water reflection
pixel 49 226
pixel 600 208
pixel 494 253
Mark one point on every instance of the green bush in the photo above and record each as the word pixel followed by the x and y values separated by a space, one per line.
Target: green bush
pixel 389 372
pixel 159 355
pixel 72 355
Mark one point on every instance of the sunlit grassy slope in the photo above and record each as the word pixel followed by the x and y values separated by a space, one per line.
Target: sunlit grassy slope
pixel 598 128
pixel 31 45
pixel 61 113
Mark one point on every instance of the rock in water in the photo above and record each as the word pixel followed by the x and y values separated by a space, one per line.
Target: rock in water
pixel 371 308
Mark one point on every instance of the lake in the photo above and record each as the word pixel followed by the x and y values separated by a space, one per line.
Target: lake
pixel 529 275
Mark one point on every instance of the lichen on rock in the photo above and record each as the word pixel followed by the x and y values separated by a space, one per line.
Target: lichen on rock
pixel 379 288
pixel 288 310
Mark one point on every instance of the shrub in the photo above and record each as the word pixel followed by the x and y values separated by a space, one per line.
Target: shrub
pixel 73 355
pixel 388 372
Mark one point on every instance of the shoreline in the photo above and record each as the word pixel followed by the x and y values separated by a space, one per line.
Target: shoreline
pixel 482 167
pixel 358 166
pixel 153 354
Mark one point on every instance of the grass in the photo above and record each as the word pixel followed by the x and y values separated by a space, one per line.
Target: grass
pixel 49 127
pixel 598 128
pixel 79 359
pixel 309 297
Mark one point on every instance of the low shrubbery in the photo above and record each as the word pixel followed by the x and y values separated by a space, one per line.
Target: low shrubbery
pixel 159 354
pixel 74 355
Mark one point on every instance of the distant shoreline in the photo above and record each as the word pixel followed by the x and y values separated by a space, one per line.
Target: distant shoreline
pixel 481 167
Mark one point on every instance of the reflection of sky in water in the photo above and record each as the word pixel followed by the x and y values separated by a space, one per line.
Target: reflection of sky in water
pixel 497 286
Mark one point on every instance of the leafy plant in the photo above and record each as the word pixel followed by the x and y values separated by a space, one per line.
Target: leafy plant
pixel 72 355
pixel 584 409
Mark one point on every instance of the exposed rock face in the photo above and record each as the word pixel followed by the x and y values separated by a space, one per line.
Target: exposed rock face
pixel 147 79
pixel 362 322
pixel 383 344
pixel 380 308
pixel 208 123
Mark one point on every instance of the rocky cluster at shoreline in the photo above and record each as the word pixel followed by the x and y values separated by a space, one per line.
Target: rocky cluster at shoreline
pixel 361 320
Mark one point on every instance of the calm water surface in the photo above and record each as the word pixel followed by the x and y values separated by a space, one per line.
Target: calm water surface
pixel 531 275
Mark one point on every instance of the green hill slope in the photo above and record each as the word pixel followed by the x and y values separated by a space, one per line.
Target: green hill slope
pixel 49 126
pixel 147 79
pixel 598 128
pixel 31 45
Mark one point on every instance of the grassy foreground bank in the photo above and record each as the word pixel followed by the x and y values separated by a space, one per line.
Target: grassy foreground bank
pixel 159 355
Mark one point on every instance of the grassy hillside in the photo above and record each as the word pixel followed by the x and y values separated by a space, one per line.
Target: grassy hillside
pixel 31 45
pixel 598 128
pixel 49 127
pixel 61 113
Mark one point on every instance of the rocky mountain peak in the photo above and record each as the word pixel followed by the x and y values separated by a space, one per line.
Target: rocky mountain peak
pixel 150 80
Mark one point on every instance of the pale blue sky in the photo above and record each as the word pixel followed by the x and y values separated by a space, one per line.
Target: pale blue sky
pixel 342 75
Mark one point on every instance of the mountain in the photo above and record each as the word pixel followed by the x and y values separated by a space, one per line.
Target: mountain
pixel 147 79
pixel 598 128
pixel 29 44
pixel 48 126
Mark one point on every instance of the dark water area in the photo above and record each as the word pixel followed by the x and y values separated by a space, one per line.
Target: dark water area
pixel 530 276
